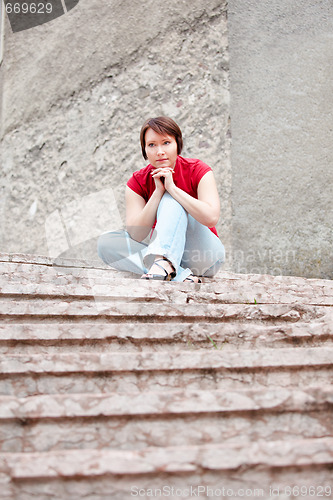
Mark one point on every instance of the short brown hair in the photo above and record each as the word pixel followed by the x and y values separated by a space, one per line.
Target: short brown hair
pixel 161 125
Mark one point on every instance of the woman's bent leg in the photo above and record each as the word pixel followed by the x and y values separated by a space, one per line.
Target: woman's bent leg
pixel 120 251
pixel 204 252
pixel 190 246
pixel 169 236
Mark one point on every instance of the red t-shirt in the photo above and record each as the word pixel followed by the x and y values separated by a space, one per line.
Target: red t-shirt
pixel 187 174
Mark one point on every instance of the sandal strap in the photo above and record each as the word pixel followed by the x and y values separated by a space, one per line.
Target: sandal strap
pixel 172 273
pixel 189 278
pixel 159 265
pixel 166 277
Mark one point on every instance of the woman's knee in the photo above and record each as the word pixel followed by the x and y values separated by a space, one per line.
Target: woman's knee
pixel 221 254
pixel 108 243
pixel 168 202
pixel 219 259
pixel 213 269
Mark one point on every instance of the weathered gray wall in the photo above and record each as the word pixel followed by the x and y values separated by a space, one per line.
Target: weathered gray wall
pixel 76 92
pixel 281 74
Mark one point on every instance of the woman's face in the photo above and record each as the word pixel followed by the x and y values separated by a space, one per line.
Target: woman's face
pixel 161 150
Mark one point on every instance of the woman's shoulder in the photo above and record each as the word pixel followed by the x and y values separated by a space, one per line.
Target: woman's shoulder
pixel 192 162
pixel 141 182
pixel 194 169
pixel 138 180
pixel 144 170
pixel 142 173
pixel 194 166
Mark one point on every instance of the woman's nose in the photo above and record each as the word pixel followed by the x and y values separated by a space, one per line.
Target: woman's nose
pixel 160 150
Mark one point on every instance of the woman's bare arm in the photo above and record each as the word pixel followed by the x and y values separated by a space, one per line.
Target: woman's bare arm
pixel 205 209
pixel 140 216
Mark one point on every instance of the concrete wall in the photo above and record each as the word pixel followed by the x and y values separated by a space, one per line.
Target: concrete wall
pixel 76 91
pixel 75 94
pixel 281 67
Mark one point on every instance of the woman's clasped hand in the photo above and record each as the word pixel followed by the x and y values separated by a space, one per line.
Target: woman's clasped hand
pixel 163 178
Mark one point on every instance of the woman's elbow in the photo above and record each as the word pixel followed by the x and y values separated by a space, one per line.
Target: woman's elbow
pixel 212 214
pixel 213 219
pixel 212 222
pixel 137 233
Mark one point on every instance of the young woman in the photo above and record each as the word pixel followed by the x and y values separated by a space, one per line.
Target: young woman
pixel 175 201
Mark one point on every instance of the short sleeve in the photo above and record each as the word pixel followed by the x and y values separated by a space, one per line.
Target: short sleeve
pixel 136 186
pixel 200 170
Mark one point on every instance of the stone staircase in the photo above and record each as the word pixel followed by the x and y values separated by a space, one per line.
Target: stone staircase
pixel 112 387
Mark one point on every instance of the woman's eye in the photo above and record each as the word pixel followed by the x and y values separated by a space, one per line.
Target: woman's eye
pixel 150 145
pixel 166 142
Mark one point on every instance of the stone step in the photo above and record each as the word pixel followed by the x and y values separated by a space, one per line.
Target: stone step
pixel 62 265
pixel 24 385
pixel 22 258
pixel 48 338
pixel 167 361
pixel 106 380
pixel 172 460
pixel 60 406
pixel 106 310
pixel 28 279
pixel 253 482
pixel 167 429
pixel 123 372
pixel 115 291
pixel 177 292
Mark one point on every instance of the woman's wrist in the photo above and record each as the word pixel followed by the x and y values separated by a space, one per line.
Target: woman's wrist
pixel 157 195
pixel 173 189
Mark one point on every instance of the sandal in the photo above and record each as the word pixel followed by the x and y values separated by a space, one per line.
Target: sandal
pixel 189 278
pixel 166 277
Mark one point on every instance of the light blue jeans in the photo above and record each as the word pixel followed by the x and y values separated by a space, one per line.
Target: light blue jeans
pixel 190 246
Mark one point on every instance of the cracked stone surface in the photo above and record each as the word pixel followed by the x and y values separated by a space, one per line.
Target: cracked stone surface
pixel 108 383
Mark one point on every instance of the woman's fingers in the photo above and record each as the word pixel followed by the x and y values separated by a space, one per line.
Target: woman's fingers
pixel 165 174
pixel 163 177
pixel 161 172
pixel 159 185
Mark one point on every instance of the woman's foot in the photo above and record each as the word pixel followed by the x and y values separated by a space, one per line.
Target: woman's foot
pixel 162 269
pixel 193 279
